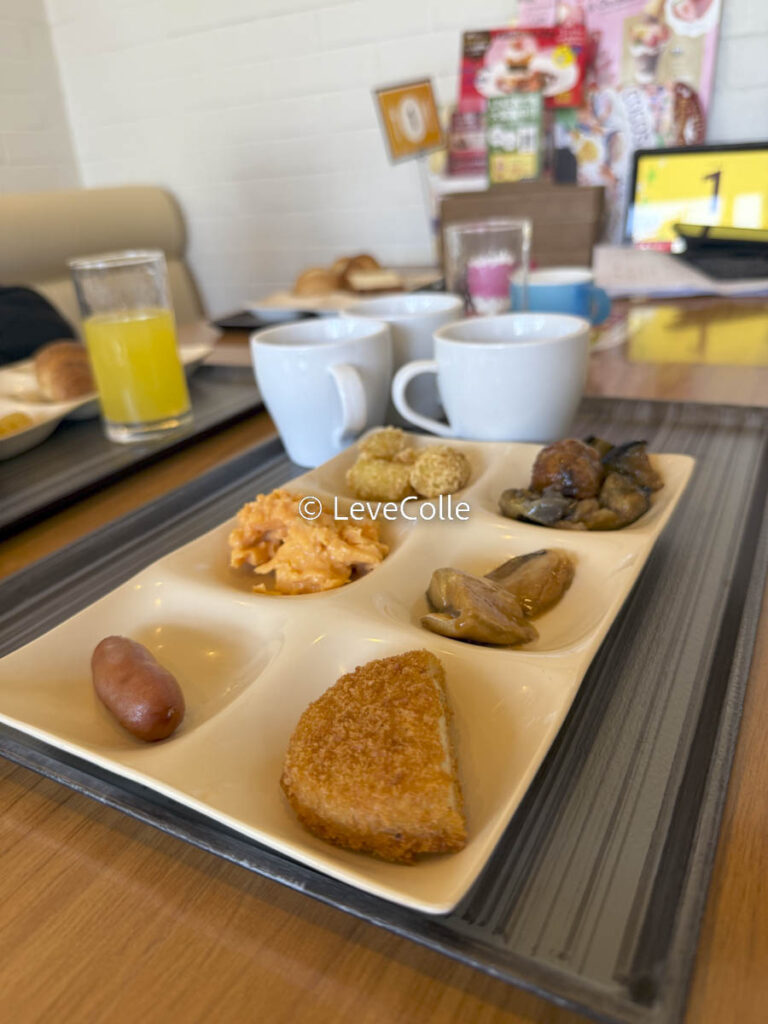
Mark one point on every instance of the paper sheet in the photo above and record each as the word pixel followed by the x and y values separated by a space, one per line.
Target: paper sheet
pixel 623 272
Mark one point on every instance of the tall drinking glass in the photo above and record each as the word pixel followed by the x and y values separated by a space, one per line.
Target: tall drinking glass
pixel 129 329
pixel 480 258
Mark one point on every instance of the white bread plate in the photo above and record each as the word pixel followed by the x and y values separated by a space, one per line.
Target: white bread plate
pixel 286 304
pixel 19 393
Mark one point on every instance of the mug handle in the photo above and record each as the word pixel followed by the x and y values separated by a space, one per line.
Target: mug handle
pixel 401 380
pixel 354 409
pixel 600 305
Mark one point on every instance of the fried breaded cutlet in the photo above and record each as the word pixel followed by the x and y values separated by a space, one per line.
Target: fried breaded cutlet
pixel 371 766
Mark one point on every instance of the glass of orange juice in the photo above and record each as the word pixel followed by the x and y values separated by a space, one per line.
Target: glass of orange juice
pixel 129 330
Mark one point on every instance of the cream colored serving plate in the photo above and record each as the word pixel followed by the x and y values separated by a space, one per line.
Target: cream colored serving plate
pixel 250 663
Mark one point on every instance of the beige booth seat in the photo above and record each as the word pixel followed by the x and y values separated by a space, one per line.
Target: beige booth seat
pixel 40 231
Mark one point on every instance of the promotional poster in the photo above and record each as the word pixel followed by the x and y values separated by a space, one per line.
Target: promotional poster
pixel 501 62
pixel 649 84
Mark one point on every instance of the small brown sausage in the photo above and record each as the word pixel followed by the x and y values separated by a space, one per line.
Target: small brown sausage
pixel 142 695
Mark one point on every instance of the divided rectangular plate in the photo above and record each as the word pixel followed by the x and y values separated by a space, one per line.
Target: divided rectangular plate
pixel 250 663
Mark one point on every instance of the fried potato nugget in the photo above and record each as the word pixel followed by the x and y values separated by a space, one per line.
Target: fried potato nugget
pixel 383 444
pixel 380 479
pixel 371 766
pixel 388 468
pixel 439 469
pixel 406 456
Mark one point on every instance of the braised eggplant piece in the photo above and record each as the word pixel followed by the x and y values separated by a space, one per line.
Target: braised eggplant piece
pixel 537 580
pixel 543 509
pixel 632 460
pixel 467 607
pixel 571 467
pixel 620 503
pixel 589 515
pixel 585 485
pixel 624 497
pixel 601 446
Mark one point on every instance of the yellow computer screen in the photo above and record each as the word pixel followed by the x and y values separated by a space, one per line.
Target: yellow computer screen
pixel 718 187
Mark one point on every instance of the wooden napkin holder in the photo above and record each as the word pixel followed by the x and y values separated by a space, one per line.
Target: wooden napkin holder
pixel 567 219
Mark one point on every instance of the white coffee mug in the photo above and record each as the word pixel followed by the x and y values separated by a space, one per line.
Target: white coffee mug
pixel 516 377
pixel 413 319
pixel 323 382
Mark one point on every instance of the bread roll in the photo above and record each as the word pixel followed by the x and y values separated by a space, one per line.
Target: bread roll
pixel 63 371
pixel 339 269
pixel 360 262
pixel 364 261
pixel 315 281
pixel 369 282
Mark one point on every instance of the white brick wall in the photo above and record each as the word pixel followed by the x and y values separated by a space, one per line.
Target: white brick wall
pixel 740 101
pixel 258 115
pixel 35 144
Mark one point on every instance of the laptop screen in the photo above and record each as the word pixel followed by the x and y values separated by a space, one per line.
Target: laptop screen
pixel 723 186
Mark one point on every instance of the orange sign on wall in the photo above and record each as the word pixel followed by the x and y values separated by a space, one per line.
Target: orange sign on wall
pixel 409 115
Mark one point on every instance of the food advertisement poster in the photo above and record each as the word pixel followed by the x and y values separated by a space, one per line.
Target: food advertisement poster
pixel 514 137
pixel 500 62
pixel 649 85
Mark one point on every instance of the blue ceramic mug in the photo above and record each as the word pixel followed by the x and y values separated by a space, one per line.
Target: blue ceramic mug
pixel 561 290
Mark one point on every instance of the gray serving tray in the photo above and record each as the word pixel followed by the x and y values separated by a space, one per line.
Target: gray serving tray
pixel 77 458
pixel 593 897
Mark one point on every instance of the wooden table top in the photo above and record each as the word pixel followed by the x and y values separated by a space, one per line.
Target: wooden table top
pixel 104 918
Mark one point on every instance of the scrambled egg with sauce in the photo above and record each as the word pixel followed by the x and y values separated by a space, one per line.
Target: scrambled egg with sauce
pixel 293 555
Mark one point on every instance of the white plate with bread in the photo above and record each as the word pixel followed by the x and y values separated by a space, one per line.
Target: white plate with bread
pixel 22 427
pixel 251 664
pixel 37 394
pixel 328 290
